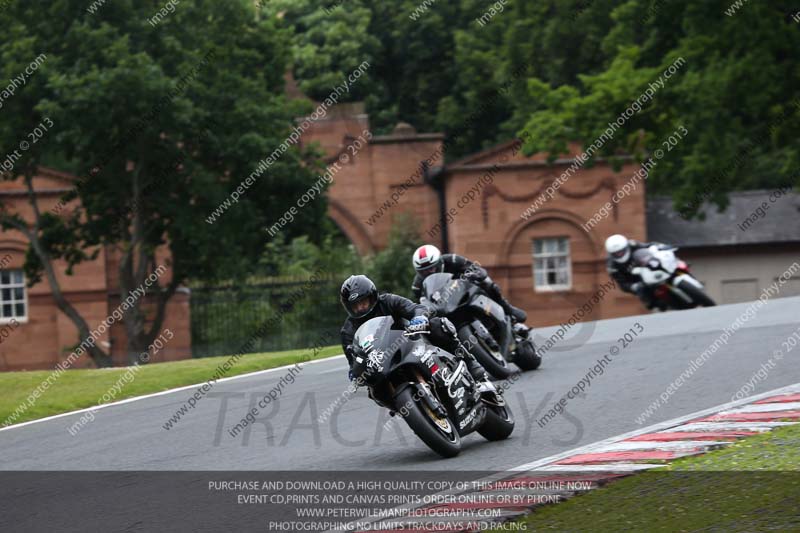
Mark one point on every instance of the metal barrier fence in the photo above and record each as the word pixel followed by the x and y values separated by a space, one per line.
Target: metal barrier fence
pixel 224 318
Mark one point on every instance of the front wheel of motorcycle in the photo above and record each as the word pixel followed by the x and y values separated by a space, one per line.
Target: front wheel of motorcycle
pixel 492 362
pixel 526 357
pixel 696 294
pixel 498 424
pixel 438 433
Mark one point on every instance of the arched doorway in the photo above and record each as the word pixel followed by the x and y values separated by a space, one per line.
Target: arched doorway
pixel 351 227
pixel 550 232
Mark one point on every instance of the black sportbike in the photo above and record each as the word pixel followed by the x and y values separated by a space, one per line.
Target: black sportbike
pixel 482 324
pixel 431 389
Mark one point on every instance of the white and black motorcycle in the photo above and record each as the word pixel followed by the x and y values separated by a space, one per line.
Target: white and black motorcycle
pixel 669 279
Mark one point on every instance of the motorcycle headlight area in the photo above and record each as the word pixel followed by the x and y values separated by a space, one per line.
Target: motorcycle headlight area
pixel 375 359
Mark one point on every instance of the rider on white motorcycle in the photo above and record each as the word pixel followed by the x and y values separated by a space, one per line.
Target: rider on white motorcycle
pixel 620 263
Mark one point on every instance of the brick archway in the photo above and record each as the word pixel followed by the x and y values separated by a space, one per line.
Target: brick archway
pixel 14 247
pixel 351 227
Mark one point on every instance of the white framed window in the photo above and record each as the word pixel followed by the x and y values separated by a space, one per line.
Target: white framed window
pixel 552 267
pixel 13 296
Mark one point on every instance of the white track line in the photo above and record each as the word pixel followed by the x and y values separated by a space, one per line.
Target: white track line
pixel 590 448
pixel 766 408
pixel 168 391
pixel 545 465
pixel 600 467
pixel 644 445
pixel 727 426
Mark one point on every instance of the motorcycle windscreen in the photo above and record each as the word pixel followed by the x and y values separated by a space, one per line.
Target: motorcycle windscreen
pixel 444 292
pixel 642 257
pixel 375 342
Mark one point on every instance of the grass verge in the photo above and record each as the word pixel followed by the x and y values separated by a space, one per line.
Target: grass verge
pixel 78 389
pixel 752 485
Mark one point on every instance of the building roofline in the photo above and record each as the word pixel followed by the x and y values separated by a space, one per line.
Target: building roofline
pixel 415 137
pixel 53 173
pixel 739 245
pixel 464 162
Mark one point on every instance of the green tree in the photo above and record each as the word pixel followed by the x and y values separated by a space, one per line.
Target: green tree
pixel 391 268
pixel 162 123
pixel 439 69
pixel 330 42
pixel 735 95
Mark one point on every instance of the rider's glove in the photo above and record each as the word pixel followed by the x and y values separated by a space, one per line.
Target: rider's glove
pixel 474 276
pixel 418 324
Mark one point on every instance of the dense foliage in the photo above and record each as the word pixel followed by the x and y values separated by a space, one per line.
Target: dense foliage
pixel 563 69
pixel 161 123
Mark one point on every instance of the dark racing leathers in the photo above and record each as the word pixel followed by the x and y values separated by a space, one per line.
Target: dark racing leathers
pixel 458 265
pixel 442 333
pixel 626 280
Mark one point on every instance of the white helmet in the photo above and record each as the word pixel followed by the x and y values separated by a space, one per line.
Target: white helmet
pixel 618 248
pixel 427 259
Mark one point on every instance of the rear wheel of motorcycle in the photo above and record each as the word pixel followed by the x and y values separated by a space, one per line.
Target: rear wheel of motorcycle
pixel 497 368
pixel 498 424
pixel 439 434
pixel 698 295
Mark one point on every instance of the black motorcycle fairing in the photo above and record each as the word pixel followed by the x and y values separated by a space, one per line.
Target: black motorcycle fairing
pixel 376 346
pixel 479 320
pixel 482 304
pixel 462 301
pixel 444 292
pixel 386 359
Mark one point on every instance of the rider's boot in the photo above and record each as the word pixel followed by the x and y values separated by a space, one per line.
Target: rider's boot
pixel 475 369
pixel 515 312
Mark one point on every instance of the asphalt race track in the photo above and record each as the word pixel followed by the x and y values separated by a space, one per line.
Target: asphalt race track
pixel 287 436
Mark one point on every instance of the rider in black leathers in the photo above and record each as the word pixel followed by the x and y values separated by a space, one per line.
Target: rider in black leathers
pixel 361 300
pixel 428 260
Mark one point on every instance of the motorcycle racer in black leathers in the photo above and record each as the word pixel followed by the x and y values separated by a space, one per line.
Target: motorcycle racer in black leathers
pixel 429 260
pixel 361 300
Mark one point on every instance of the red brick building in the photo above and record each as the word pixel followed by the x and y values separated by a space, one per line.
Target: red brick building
pixel 385 178
pixel 45 335
pixel 548 262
